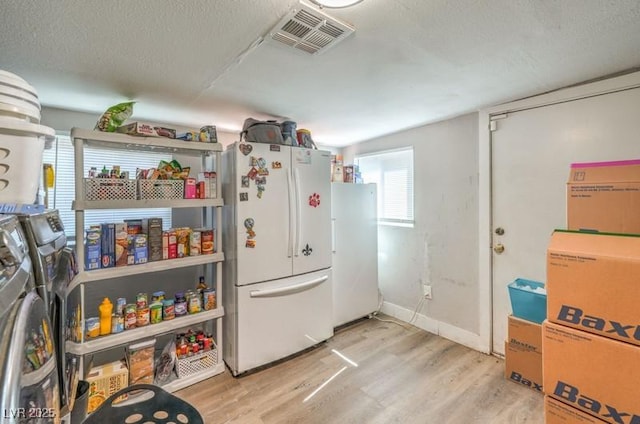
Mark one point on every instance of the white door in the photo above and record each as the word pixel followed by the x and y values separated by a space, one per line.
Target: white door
pixel 263 213
pixel 312 220
pixel 531 154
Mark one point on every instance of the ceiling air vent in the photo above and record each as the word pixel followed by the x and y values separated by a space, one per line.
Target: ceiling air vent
pixel 309 30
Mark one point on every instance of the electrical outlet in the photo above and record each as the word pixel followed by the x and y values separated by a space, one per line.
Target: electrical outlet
pixel 426 291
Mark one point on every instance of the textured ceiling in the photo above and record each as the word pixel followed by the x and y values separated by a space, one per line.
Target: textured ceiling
pixel 409 63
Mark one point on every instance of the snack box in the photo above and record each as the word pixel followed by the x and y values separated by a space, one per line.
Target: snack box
pixel 165 132
pixel 104 381
pixel 92 250
pixel 138 128
pixel 108 245
pixel 140 249
pixel 190 188
pixel 134 226
pixel 169 245
pixel 152 227
pixel 137 249
pixel 122 244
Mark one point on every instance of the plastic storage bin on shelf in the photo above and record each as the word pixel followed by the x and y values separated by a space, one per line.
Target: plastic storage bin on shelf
pixel 161 189
pixel 109 189
pixel 197 363
pixel 528 300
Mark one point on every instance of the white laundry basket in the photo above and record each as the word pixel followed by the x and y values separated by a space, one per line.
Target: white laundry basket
pixel 21 147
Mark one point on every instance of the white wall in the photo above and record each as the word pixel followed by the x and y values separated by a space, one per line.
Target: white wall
pixel 442 248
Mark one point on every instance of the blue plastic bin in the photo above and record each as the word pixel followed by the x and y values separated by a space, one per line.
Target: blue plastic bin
pixel 526 304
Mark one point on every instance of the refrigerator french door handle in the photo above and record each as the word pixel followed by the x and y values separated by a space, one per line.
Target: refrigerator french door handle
pixel 295 288
pixel 333 235
pixel 296 181
pixel 291 213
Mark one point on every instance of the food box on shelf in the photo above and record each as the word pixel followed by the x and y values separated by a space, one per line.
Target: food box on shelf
pixel 93 251
pixel 108 245
pixel 138 128
pixel 121 244
pixel 104 381
pixel 137 249
pixel 165 132
pixel 152 227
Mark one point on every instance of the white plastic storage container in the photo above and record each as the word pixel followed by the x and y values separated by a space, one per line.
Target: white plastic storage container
pixel 21 147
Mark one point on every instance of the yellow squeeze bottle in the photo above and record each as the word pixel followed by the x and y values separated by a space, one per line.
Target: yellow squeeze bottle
pixel 105 309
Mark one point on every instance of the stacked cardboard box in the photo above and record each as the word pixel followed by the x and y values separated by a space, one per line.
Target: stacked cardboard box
pixel 591 338
pixel 523 353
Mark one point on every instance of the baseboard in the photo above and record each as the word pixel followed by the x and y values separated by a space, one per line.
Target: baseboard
pixel 442 329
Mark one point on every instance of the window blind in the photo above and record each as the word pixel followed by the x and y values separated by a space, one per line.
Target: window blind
pixel 392 172
pixel 61 156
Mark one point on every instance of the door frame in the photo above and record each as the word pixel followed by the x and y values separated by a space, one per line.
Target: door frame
pixel 485 257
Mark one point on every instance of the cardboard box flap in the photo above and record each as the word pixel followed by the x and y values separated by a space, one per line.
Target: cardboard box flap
pixel 605 172
pixel 588 244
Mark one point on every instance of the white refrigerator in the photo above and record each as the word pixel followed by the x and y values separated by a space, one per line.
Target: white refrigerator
pixel 355 251
pixel 277 241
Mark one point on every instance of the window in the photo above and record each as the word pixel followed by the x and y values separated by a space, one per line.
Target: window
pixel 61 155
pixel 392 171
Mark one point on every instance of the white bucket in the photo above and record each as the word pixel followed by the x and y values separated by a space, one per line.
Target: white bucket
pixel 21 147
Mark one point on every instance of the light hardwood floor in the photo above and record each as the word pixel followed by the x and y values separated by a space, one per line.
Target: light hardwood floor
pixel 403 375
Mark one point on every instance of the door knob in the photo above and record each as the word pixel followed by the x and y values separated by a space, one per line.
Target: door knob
pixel 498 248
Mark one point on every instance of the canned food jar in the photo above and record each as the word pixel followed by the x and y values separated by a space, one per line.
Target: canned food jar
pixel 209 299
pixel 142 315
pixel 206 241
pixel 157 296
pixel 180 305
pixel 168 311
pixel 130 316
pixel 142 300
pixel 195 243
pixel 120 304
pixel 155 312
pixel 117 323
pixel 195 304
pixel 93 326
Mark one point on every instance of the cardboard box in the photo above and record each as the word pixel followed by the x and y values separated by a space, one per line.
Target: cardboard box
pixel 152 227
pixel 523 366
pixel 92 249
pixel 592 283
pixel 122 244
pixel 165 132
pixel 595 374
pixel 525 334
pixel 137 251
pixel 604 196
pixel 337 175
pixel 556 412
pixel 138 128
pixel 348 173
pixel 169 245
pixel 108 245
pixel 104 381
pixel 134 226
pixel 190 188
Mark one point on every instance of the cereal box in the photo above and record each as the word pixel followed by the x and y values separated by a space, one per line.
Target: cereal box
pixel 92 250
pixel 104 381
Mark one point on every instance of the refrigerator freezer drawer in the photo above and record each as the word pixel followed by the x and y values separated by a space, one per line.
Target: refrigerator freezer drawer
pixel 282 317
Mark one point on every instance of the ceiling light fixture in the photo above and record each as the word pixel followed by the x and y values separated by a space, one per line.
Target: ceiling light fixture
pixel 336 4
